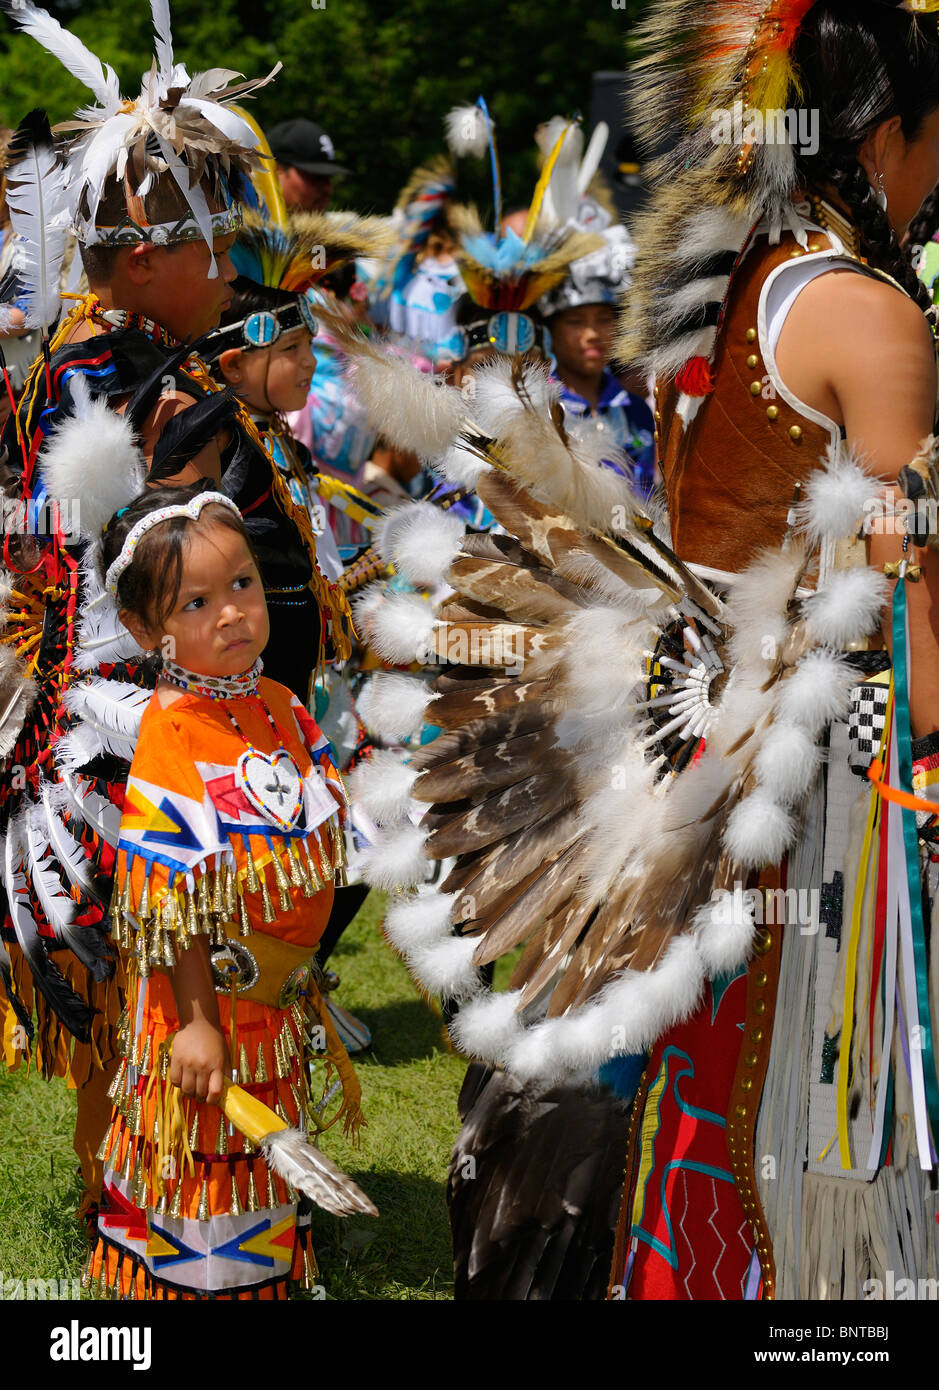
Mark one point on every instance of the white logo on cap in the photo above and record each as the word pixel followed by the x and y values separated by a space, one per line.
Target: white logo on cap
pixel 326 145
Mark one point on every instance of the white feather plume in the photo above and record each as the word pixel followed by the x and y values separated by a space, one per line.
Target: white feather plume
pixel 382 784
pixel 758 831
pixel 40 213
pixel 467 131
pixel 848 607
pixel 838 497
pixel 397 860
pixel 412 410
pixel 421 541
pixel 91 465
pixel 392 707
pixel 445 968
pixel 723 930
pixel 400 628
pixel 817 692
pixel 418 919
pixel 289 1153
pixel 71 53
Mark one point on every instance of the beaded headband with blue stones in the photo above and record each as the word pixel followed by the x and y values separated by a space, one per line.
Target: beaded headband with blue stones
pixel 263 327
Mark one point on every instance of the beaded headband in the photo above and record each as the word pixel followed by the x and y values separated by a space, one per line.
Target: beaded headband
pixel 186 228
pixel 136 534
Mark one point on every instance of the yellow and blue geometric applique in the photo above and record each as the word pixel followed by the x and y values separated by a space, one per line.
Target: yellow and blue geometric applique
pixel 159 825
pixel 263 1244
pixel 168 1249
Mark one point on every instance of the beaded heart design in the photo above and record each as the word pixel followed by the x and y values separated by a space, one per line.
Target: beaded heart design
pixel 272 783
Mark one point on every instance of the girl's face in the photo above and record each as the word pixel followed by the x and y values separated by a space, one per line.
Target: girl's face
pixel 219 624
pixel 274 378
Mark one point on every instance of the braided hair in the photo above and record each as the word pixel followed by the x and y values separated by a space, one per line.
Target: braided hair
pixel 861 63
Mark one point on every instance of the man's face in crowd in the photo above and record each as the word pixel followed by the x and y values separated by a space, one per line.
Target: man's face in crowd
pixel 305 192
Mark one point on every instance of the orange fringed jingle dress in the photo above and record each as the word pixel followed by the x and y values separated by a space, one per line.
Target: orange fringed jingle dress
pixel 190 1208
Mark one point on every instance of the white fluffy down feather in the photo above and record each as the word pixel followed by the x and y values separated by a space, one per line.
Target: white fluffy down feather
pixel 723 930
pixel 445 967
pixel 91 465
pixel 631 1012
pixel 817 692
pixel 837 498
pixel 412 410
pixel 400 628
pixel 461 466
pixel 382 784
pixel 848 607
pixel 419 919
pixel 422 541
pixel 392 706
pixel 487 1027
pixel 467 131
pixel 758 830
pixel 397 860
pixel 787 762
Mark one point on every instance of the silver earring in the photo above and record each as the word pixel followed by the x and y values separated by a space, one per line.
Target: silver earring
pixel 881 194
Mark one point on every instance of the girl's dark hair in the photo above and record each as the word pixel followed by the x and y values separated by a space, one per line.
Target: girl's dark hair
pixel 149 587
pixel 862 62
pixel 923 227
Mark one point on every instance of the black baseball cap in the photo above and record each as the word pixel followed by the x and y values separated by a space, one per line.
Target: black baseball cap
pixel 303 144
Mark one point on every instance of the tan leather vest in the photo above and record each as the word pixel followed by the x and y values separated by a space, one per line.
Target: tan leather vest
pixel 731 473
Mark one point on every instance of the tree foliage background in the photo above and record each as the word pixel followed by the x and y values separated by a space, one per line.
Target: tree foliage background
pixel 378 76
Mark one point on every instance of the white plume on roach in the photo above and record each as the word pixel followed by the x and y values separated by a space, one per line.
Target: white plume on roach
pixel 467 131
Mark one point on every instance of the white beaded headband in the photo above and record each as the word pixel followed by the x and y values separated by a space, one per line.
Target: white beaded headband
pixel 136 534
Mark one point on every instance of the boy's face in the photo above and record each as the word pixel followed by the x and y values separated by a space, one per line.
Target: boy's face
pixel 219 624
pixel 185 301
pixel 582 338
pixel 274 378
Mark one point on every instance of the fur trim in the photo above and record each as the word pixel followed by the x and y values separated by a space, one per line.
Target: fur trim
pixel 758 831
pixel 391 707
pixel 400 628
pixel 787 762
pixel 817 692
pixel 838 498
pixel 412 410
pixel 382 784
pixel 848 607
pixel 396 860
pixel 724 930
pixel 422 541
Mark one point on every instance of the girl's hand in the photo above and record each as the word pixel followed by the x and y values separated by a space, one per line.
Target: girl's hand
pixel 200 1061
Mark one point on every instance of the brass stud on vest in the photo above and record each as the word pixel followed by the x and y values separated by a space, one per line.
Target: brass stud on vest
pixel 751 335
pixel 772 412
pixel 795 434
pixel 797 252
pixel 756 388
pixel 753 361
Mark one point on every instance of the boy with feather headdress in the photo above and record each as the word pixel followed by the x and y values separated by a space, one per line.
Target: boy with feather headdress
pixel 153 190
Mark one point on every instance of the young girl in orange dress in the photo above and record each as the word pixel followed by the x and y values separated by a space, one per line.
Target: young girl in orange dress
pixel 230 844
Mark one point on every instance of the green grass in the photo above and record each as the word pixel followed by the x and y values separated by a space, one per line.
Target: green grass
pixel 410 1084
